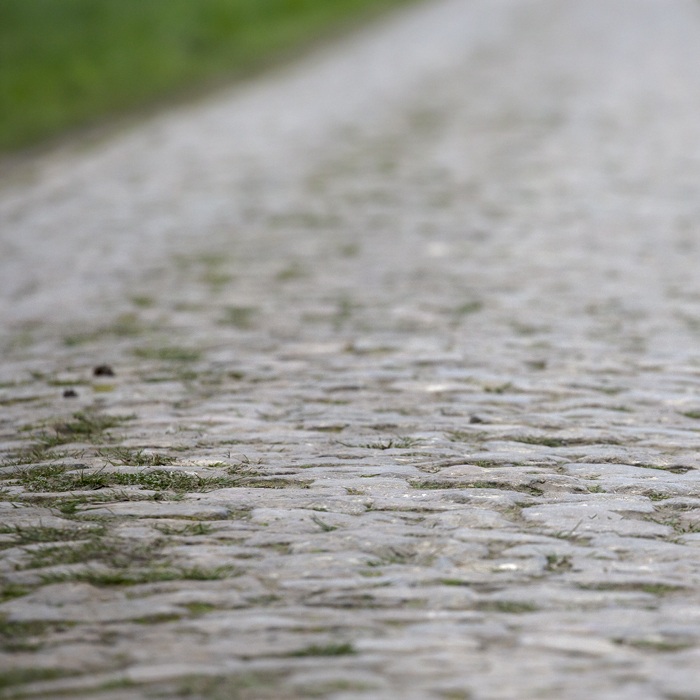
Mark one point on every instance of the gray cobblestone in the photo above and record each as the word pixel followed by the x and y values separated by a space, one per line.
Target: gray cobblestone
pixel 406 375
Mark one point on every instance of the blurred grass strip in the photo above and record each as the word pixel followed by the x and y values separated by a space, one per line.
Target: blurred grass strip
pixel 69 63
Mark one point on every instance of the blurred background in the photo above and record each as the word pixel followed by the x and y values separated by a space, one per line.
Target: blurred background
pixel 68 64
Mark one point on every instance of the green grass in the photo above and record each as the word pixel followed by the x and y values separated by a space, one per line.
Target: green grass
pixel 56 478
pixel 69 63
pixel 243 686
pixel 189 530
pixel 400 443
pixel 8 591
pixel 132 576
pixel 652 588
pixel 506 606
pixel 558 564
pixel 135 458
pixel 117 554
pixel 84 426
pixel 238 316
pixel 24 635
pixel 17 676
pixel 124 562
pixel 329 650
pixel 169 354
pixel 40 534
pixel 561 442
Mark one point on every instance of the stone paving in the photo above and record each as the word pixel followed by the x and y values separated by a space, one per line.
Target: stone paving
pixel 376 379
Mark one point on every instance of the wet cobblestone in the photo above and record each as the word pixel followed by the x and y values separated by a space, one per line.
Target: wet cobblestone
pixel 405 395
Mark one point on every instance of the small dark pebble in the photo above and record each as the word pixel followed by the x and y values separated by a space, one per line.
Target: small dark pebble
pixel 475 419
pixel 70 394
pixel 103 371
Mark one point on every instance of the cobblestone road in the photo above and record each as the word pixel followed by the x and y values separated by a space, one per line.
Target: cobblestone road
pixel 403 387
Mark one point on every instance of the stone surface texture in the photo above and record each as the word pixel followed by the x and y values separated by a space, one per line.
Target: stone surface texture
pixel 405 401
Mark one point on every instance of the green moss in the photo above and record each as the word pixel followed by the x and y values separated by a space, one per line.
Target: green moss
pixel 103 388
pixel 470 307
pixel 24 535
pixel 507 606
pixel 18 636
pixel 561 442
pixel 652 588
pixel 244 686
pixel 293 271
pixel 19 400
pixel 182 482
pixel 216 279
pixel 400 443
pixel 168 354
pixel 135 458
pixel 217 573
pixel 324 526
pixel 18 676
pixel 498 388
pixel 544 441
pixel 157 618
pixel 660 645
pixel 558 564
pixel 84 426
pixel 462 436
pixel 125 577
pixel 341 649
pixel 439 484
pixel 118 554
pixel 8 591
pixel 199 608
pixel 238 316
pixel 121 562
pixel 189 530
pixel 56 478
pixel 131 575
pixel 124 326
pixel 143 301
pixel 271 483
pixel 674 469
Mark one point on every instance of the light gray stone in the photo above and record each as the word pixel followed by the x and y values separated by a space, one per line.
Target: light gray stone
pixel 414 323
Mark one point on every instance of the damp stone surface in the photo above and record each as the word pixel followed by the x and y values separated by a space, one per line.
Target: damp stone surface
pixel 376 378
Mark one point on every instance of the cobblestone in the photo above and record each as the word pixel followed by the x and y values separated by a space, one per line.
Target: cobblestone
pixel 406 391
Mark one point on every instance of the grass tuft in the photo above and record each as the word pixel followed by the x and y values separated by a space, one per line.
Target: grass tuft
pixel 83 426
pixel 400 443
pixel 56 478
pixel 24 535
pixel 135 458
pixel 8 591
pixel 190 530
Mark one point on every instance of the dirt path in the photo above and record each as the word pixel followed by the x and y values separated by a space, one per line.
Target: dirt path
pixel 406 342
